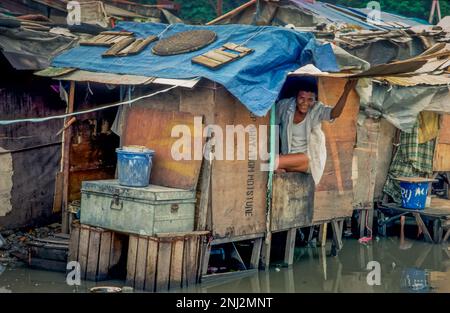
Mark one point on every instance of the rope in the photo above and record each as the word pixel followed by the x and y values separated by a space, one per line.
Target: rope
pixel 251 37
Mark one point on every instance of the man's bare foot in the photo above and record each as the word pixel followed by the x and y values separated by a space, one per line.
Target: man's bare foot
pixel 280 170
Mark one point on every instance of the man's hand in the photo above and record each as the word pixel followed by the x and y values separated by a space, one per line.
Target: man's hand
pixel 351 84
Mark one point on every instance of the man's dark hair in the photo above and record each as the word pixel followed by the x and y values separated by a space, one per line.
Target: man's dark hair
pixel 307 86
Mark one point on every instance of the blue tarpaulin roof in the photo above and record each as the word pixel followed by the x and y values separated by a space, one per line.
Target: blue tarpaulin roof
pixel 255 80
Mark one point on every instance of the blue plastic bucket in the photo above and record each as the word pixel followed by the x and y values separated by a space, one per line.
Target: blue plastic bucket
pixel 414 194
pixel 134 166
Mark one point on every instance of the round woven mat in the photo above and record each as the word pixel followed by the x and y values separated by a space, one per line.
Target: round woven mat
pixel 184 42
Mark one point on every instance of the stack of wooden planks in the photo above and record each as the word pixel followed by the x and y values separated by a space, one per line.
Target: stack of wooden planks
pixel 217 58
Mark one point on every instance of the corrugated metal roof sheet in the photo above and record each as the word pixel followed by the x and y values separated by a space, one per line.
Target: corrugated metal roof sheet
pixel 424 79
pixel 117 79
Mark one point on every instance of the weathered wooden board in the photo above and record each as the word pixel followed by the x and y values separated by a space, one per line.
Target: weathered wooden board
pixel 292 201
pixel 176 264
pixel 334 194
pixel 238 186
pixel 365 160
pixel 153 129
pixel 444 129
pixel 150 273
pixel 384 158
pixel 441 160
pixel 76 177
pixel 163 270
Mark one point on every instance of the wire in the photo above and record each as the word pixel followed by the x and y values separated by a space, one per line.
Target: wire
pixel 44 119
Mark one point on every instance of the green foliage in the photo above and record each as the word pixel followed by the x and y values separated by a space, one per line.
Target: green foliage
pixel 202 11
pixel 411 8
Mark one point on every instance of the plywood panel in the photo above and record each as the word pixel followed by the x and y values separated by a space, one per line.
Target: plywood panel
pixel 334 194
pixel 238 186
pixel 441 160
pixel 444 131
pixel 292 201
pixel 385 148
pixel 153 129
pixel 365 162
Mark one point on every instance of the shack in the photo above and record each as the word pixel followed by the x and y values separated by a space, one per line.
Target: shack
pixel 30 152
pixel 232 187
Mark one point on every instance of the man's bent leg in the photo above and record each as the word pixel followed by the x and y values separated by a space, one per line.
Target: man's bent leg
pixel 296 162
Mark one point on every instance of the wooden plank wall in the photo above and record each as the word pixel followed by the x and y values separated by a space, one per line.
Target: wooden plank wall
pixel 334 194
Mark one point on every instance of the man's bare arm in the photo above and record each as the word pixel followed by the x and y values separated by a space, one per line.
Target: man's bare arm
pixel 337 110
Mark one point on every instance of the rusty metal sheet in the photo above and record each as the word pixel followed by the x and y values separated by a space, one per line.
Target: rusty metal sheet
pixel 153 129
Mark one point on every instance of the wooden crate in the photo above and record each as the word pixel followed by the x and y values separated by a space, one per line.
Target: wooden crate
pixel 96 249
pixel 163 262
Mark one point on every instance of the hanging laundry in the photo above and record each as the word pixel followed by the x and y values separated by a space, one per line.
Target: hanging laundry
pixel 428 126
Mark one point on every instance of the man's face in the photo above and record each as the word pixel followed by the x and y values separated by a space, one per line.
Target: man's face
pixel 305 100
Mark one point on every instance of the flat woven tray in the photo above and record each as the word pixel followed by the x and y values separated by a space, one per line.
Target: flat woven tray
pixel 184 42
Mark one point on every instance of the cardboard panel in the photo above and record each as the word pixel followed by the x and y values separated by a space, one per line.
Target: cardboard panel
pixel 153 128
pixel 238 186
pixel 334 194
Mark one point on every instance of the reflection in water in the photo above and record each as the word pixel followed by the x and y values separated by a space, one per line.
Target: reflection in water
pixel 421 267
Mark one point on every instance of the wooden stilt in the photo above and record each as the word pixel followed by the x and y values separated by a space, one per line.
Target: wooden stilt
pixel 337 234
pixel 290 245
pixel 311 233
pixel 256 253
pixel 265 252
pixel 362 223
pixel 437 231
pixel 322 238
pixel 424 228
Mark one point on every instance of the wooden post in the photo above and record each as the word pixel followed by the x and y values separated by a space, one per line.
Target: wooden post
pixel 265 253
pixel 290 245
pixel 381 228
pixel 362 223
pixel 67 135
pixel 437 231
pixel 256 252
pixel 322 239
pixel 447 235
pixel 337 234
pixel 424 228
pixel 205 189
pixel 219 8
pixel 311 233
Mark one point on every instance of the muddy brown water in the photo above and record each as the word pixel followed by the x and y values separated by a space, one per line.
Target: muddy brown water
pixel 411 266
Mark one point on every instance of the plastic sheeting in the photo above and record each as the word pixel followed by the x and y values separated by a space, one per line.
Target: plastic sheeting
pixel 401 105
pixel 255 80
